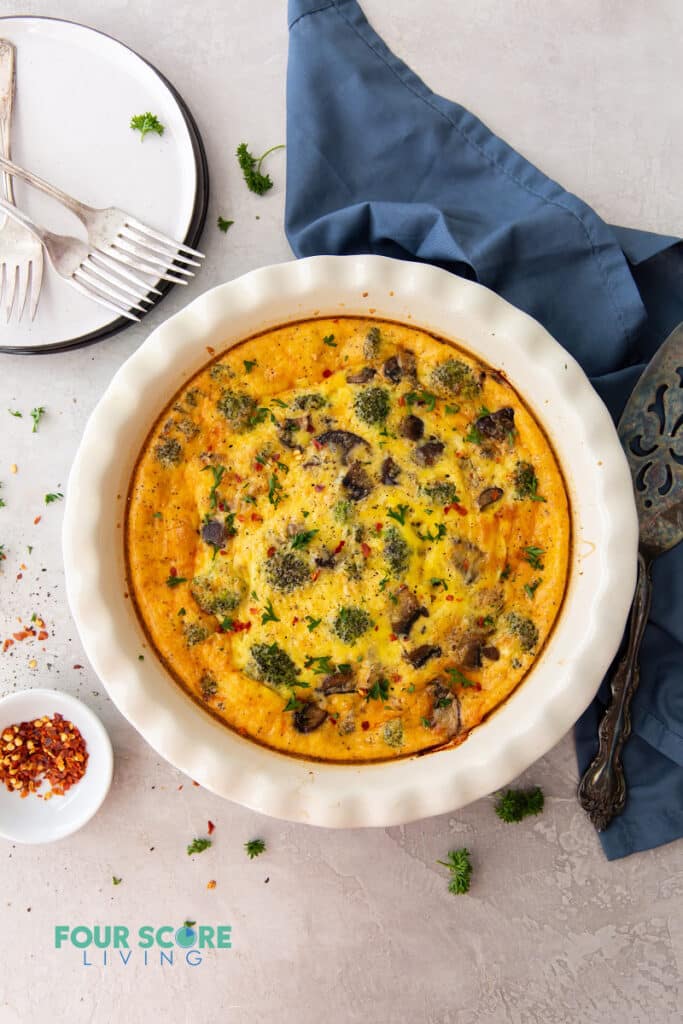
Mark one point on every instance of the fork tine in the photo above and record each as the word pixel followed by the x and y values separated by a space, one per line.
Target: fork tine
pixel 22 289
pixel 11 282
pixel 36 285
pixel 106 276
pixel 86 277
pixel 143 229
pixel 148 257
pixel 120 256
pixel 91 294
pixel 156 247
pixel 100 256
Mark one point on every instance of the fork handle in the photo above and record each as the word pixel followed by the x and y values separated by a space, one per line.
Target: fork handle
pixel 6 104
pixel 22 218
pixel 80 209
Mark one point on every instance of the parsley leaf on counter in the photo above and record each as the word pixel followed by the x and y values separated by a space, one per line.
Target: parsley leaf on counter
pixel 251 169
pixel 198 846
pixel 145 123
pixel 36 415
pixel 255 847
pixel 115 880
pixel 49 498
pixel 15 412
pixel 224 224
pixel 515 804
pixel 460 867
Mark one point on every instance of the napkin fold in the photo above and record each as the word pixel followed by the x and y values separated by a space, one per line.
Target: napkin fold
pixel 376 162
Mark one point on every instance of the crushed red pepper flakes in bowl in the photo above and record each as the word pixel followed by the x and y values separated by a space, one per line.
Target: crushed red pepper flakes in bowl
pixel 43 748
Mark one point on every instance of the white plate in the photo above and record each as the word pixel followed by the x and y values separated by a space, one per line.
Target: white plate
pixel 41 821
pixel 602 567
pixel 76 91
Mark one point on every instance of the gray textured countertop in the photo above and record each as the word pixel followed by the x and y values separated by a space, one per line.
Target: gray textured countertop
pixel 340 926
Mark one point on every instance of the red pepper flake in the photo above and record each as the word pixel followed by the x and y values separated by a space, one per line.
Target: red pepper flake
pixel 275 457
pixel 179 788
pixel 210 350
pixel 315 575
pixel 221 506
pixel 8 643
pixel 195 784
pixel 173 571
pixel 37 520
pixel 258 466
pixel 223 552
pixel 239 627
pixel 319 488
pixel 237 478
pixel 241 519
pixel 365 726
pixel 317 444
pixel 366 549
pixel 20 575
pixel 339 546
pixel 22 635
pixel 211 884
pixel 460 509
pixel 327 373
pixel 295 620
pixel 210 827
pixel 379 527
pixel 392 636
pixel 254 611
pixel 310 429
pixel 402 400
pixel 271 551
pixel 44 748
pixel 256 518
pixel 78 666
pixel 449 597
pixel 43 635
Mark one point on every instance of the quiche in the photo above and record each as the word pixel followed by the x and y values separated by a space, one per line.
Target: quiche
pixel 348 539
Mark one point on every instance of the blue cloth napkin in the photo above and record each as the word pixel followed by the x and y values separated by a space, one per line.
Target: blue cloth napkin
pixel 376 162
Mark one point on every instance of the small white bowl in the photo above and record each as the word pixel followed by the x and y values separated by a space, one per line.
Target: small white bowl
pixel 41 821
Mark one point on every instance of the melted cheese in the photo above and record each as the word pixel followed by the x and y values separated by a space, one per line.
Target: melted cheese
pixel 253 548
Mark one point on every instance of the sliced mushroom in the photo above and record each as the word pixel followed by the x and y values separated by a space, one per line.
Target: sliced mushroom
pixel 361 376
pixel 392 370
pixel 412 427
pixel 390 471
pixel 471 656
pixel 213 532
pixel 406 611
pixel 357 482
pixel 285 431
pixel 488 497
pixel 468 559
pixel 497 425
pixel 446 714
pixel 325 559
pixel 491 652
pixel 341 441
pixel 421 655
pixel 309 717
pixel 428 454
pixel 338 682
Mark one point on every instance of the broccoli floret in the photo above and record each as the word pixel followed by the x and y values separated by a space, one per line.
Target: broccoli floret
pixel 168 452
pixel 219 371
pixel 372 343
pixel 190 397
pixel 274 665
pixel 238 407
pixel 195 633
pixel 442 492
pixel 310 401
pixel 372 405
pixel 208 685
pixel 187 427
pixel 523 629
pixel 342 511
pixel 455 378
pixel 353 568
pixel 217 594
pixel 526 482
pixel 396 551
pixel 285 571
pixel 351 623
pixel 393 732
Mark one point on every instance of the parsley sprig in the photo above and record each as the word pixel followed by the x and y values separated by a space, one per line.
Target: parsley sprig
pixel 515 804
pixel 255 847
pixel 460 867
pixel 198 846
pixel 218 474
pixel 251 168
pixel 146 123
pixel 399 513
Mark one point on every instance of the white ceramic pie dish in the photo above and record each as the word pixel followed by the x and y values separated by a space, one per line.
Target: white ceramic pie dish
pixel 602 566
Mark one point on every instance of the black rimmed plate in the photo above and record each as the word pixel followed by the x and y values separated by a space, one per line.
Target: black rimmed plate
pixel 76 92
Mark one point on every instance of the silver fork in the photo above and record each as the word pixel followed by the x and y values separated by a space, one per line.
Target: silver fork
pixel 21 255
pixel 120 249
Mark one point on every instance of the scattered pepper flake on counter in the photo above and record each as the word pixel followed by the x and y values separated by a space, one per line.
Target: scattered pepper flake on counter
pixel 198 846
pixel 211 884
pixel 515 804
pixel 44 748
pixel 460 867
pixel 211 827
pixel 255 847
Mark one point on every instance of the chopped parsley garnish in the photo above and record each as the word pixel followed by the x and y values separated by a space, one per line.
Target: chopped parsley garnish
pixel 452 409
pixel 436 581
pixel 15 412
pixel 255 847
pixel 426 724
pixel 269 614
pixel 303 538
pixel 249 364
pixel 50 498
pixel 274 491
pixel 329 340
pixel 251 169
pixel 506 572
pixel 157 515
pixel 145 123
pixel 440 532
pixel 292 704
pixel 533 557
pixel 531 588
pixel 379 690
pixel 312 623
pixel 399 513
pixel 278 401
pixel 457 677
pixel 175 581
pixel 198 846
pixel 474 437
pixel 425 398
pixel 443 702
pixel 526 483
pixel 224 224
pixel 218 474
pixel 515 804
pixel 321 666
pixel 460 867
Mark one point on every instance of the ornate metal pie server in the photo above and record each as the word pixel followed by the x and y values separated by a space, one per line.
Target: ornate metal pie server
pixel 651 431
